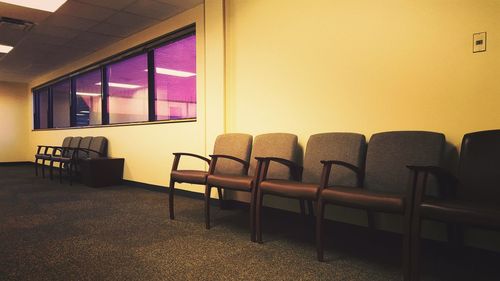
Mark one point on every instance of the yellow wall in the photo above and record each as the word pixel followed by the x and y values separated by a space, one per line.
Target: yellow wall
pixel 13 122
pixel 364 66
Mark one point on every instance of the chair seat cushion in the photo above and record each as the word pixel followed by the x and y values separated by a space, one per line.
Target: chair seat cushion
pixel 231 182
pixel 365 199
pixel 477 214
pixel 189 176
pixel 292 189
pixel 43 156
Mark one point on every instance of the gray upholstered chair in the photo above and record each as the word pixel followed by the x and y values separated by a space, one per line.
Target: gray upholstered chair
pixel 44 153
pixel 344 148
pixel 65 155
pixel 472 198
pixel 232 145
pixel 280 145
pixel 387 186
pixel 97 148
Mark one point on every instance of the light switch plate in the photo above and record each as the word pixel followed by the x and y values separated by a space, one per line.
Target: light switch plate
pixel 479 42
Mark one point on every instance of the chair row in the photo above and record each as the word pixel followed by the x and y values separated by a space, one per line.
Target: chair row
pixel 68 154
pixel 390 174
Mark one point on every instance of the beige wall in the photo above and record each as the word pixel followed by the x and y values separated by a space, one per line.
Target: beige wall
pixel 363 66
pixel 14 126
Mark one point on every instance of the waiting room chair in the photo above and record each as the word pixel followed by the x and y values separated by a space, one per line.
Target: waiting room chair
pixel 345 148
pixel 44 153
pixel 233 145
pixel 472 198
pixel 387 184
pixel 66 155
pixel 280 145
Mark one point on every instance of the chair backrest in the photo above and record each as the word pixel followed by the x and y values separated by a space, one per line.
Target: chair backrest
pixel 479 167
pixel 74 143
pixel 280 145
pixel 237 145
pixel 389 153
pixel 347 147
pixel 99 144
pixel 66 141
pixel 85 144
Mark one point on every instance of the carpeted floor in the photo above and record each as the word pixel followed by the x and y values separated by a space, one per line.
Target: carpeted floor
pixel 52 231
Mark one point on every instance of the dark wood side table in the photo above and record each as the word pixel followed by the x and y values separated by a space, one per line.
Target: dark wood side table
pixel 99 172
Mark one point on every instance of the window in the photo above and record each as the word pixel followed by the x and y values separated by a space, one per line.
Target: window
pixel 41 107
pixel 61 101
pixel 128 90
pixel 155 81
pixel 88 99
pixel 175 79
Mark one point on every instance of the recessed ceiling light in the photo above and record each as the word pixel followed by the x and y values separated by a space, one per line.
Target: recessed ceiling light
pixel 44 5
pixel 5 49
pixel 88 94
pixel 121 85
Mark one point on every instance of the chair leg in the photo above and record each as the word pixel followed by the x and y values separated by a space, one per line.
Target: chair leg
pixel 60 171
pixel 258 216
pixel 406 247
pixel 171 192
pixel 36 167
pixel 415 248
pixel 221 198
pixel 319 229
pixel 43 168
pixel 208 188
pixel 455 235
pixel 70 168
pixel 310 208
pixel 51 166
pixel 253 213
pixel 302 207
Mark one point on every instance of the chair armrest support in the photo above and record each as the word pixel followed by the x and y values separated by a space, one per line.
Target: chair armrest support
pixel 215 157
pixel 327 167
pixel 178 155
pixel 446 180
pixel 265 162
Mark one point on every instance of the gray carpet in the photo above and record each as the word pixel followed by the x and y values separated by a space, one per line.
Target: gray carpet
pixel 52 231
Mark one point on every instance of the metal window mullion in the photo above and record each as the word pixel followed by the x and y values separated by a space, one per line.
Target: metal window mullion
pixel 104 95
pixel 72 103
pixel 50 108
pixel 151 86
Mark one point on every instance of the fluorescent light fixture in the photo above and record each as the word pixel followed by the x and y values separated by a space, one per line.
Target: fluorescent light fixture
pixel 173 72
pixel 5 49
pixel 84 111
pixel 88 94
pixel 121 85
pixel 44 5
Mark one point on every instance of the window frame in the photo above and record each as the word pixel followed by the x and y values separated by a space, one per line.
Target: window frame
pixel 147 48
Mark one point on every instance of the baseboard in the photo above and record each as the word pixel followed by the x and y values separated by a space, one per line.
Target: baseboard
pixel 17 163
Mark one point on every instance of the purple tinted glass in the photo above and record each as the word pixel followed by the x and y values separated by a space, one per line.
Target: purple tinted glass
pixel 128 90
pixel 61 104
pixel 88 98
pixel 43 108
pixel 175 79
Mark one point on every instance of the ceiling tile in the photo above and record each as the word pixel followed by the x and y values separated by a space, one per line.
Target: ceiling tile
pixel 55 31
pixel 152 9
pixel 11 36
pixel 69 22
pixel 131 20
pixel 92 41
pixel 112 29
pixel 184 4
pixel 113 4
pixel 36 38
pixel 86 11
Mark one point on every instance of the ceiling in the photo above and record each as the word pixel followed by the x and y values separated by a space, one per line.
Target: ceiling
pixel 78 28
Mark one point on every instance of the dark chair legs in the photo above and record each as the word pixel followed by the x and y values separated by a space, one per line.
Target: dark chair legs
pixel 171 192
pixel 319 229
pixel 259 196
pixel 208 188
pixel 406 247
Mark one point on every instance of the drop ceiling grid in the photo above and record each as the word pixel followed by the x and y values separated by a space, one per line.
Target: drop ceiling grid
pixel 77 29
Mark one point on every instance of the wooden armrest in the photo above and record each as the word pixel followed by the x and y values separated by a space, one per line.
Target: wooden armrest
pixel 178 155
pixel 216 157
pixel 327 166
pixel 295 169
